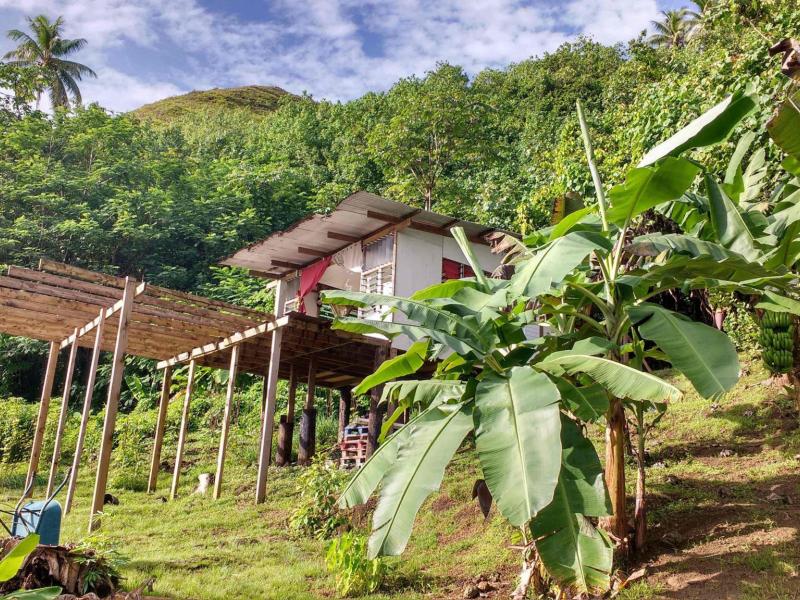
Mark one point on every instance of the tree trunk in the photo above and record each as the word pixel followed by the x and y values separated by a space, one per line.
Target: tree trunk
pixel 640 512
pixel 794 373
pixel 617 523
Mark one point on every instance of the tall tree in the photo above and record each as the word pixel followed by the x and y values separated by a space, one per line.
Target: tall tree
pixel 434 130
pixel 673 29
pixel 47 49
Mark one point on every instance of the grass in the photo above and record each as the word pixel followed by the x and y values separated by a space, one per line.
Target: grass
pixel 258 99
pixel 199 548
pixel 733 542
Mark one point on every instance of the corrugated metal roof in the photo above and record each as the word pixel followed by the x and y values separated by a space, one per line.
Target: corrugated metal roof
pixel 358 216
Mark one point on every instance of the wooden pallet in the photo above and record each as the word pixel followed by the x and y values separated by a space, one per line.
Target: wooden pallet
pixel 354 451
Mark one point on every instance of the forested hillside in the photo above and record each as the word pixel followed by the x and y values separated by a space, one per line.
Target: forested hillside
pixel 165 199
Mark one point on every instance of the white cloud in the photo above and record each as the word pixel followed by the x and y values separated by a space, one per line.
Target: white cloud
pixel 318 45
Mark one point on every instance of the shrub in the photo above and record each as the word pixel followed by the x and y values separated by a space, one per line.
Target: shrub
pixel 355 573
pixel 317 513
pixel 17 422
pixel 327 432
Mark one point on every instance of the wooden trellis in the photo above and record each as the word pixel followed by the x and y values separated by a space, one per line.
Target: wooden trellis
pixel 73 307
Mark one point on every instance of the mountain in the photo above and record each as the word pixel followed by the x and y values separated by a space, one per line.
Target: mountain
pixel 260 99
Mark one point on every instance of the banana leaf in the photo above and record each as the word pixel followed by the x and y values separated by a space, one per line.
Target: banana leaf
pixel 517 428
pixel 417 472
pixel 712 127
pixel 573 551
pixel 705 355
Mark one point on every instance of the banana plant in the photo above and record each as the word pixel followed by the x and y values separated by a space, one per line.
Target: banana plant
pixel 768 226
pixel 525 400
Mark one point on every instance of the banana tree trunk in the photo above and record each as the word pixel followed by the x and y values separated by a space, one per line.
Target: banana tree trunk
pixel 617 523
pixel 640 511
pixel 794 372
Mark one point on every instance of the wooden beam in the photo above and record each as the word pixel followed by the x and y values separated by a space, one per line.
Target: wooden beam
pixel 62 417
pixel 226 343
pixel 116 307
pixel 226 420
pixel 44 407
pixel 352 239
pixel 52 266
pixel 313 252
pixel 378 216
pixel 173 492
pixel 161 425
pixel 286 265
pixel 268 422
pixel 87 410
pixel 112 404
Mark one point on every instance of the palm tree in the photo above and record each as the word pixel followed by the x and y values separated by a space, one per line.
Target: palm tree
pixel 46 49
pixel 673 29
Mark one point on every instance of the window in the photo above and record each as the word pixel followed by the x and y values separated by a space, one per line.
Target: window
pixel 452 269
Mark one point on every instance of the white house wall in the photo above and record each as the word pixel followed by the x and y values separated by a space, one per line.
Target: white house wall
pixel 418 265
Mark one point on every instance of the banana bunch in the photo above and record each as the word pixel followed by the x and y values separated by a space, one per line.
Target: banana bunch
pixel 777 340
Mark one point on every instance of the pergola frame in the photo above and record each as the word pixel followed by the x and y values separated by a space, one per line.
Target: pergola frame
pixel 64 304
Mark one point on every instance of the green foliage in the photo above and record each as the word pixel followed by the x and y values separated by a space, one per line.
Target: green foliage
pixel 12 561
pixel 16 429
pixel 741 324
pixel 356 574
pixel 317 513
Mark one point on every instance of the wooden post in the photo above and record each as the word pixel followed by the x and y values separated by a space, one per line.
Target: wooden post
pixel 268 421
pixel 292 394
pixel 226 420
pixel 44 408
pixel 374 419
pixel 112 403
pixel 308 425
pixel 87 410
pixel 161 425
pixel 286 425
pixel 62 417
pixel 176 474
pixel 345 402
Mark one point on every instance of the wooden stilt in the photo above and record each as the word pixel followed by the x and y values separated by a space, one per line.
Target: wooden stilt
pixel 345 402
pixel 176 474
pixel 375 414
pixel 112 403
pixel 268 422
pixel 62 417
pixel 44 408
pixel 308 427
pixel 161 425
pixel 226 420
pixel 286 424
pixel 87 410
pixel 292 394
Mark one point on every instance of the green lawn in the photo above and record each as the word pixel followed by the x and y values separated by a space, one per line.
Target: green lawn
pixel 715 532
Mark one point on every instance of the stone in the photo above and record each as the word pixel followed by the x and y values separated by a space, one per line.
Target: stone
pixel 471 591
pixel 726 453
pixel 205 480
pixel 484 586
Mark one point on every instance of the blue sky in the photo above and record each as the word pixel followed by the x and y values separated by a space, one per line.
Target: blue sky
pixel 144 50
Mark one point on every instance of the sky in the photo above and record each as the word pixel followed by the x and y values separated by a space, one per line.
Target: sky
pixel 144 50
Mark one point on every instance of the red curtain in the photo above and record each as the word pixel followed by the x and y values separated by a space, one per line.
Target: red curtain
pixel 450 269
pixel 309 279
